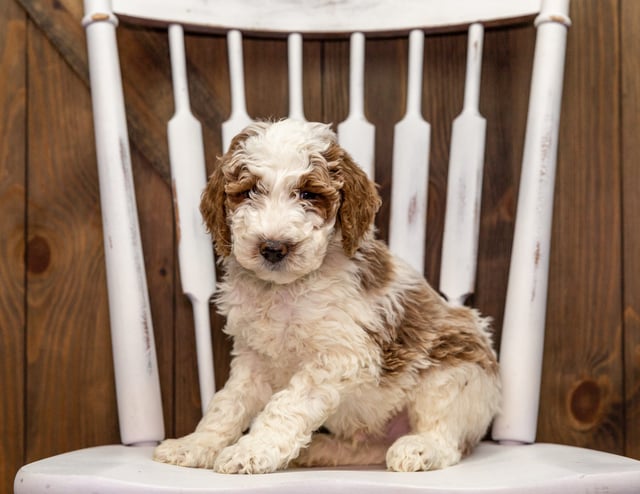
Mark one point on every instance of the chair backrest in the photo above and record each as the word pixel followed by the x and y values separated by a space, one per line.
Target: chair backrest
pixel 137 382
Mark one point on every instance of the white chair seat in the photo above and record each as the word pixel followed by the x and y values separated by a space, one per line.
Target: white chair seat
pixel 537 468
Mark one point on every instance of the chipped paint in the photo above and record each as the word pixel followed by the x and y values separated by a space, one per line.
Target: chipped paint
pixel 562 19
pixel 100 17
pixel 462 200
pixel 546 143
pixel 176 210
pixel 536 254
pixel 134 238
pixel 412 211
pixel 146 334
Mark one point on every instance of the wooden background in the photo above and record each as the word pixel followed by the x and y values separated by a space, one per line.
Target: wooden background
pixel 56 379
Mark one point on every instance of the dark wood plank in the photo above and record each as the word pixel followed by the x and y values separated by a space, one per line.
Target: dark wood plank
pixel 385 90
pixel 444 72
pixel 12 231
pixel 70 391
pixel 266 78
pixel 155 213
pixel 335 81
pixel 630 41
pixel 582 391
pixel 506 75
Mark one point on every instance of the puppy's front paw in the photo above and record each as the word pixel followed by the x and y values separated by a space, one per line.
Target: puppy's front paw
pixel 248 456
pixel 415 452
pixel 194 450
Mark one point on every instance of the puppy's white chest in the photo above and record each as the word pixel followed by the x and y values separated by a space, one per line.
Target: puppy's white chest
pixel 280 309
pixel 271 323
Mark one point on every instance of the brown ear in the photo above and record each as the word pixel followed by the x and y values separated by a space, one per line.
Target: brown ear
pixel 360 199
pixel 213 209
pixel 213 202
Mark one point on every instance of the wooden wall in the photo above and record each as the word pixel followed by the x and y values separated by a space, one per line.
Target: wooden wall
pixel 56 380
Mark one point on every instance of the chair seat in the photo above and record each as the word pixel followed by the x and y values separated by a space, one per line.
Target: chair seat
pixel 538 468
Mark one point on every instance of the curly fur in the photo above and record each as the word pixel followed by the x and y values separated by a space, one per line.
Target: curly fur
pixel 330 329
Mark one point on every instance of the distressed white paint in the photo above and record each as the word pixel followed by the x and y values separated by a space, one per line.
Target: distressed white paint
pixel 239 117
pixel 356 134
pixel 136 369
pixel 326 16
pixel 464 183
pixel 188 176
pixel 409 186
pixel 296 95
pixel 524 319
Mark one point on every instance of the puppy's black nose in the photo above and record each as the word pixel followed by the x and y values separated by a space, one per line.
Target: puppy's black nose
pixel 273 250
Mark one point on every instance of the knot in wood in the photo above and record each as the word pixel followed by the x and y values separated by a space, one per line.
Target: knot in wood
pixel 585 404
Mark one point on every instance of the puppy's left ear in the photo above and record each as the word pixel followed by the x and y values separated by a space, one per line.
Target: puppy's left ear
pixel 360 198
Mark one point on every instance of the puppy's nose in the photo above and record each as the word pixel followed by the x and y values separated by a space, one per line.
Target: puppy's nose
pixel 273 250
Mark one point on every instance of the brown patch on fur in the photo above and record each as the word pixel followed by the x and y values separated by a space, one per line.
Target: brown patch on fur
pixel 326 197
pixel 213 211
pixel 466 447
pixel 428 333
pixel 460 341
pixel 239 189
pixel 360 199
pixel 375 266
pixel 216 199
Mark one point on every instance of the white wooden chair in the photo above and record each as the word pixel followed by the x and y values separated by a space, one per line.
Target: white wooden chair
pixel 513 463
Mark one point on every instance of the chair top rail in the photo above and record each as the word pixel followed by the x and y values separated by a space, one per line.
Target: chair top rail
pixel 326 17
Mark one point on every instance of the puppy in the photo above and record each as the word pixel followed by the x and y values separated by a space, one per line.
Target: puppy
pixel 329 329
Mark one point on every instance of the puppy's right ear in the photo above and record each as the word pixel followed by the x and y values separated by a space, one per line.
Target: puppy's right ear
pixel 213 209
pixel 213 202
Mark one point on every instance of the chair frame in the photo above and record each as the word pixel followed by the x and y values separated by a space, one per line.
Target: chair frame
pixel 523 330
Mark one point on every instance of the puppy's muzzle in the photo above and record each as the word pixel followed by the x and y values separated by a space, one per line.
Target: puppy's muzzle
pixel 274 251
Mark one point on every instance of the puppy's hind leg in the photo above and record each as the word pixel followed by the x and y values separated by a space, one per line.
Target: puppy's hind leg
pixel 449 414
pixel 328 450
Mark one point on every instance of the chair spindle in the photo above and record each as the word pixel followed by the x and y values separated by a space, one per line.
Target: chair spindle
pixel 408 223
pixel 296 105
pixel 522 341
pixel 188 176
pixel 356 134
pixel 239 117
pixel 464 183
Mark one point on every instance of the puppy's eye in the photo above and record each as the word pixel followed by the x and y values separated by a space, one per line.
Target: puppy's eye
pixel 307 195
pixel 243 195
pixel 248 193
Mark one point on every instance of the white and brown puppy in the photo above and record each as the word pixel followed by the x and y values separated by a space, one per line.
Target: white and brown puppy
pixel 329 329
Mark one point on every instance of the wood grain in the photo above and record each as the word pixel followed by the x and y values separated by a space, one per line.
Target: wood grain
pixel 157 232
pixel 582 391
pixel 506 74
pixel 61 21
pixel 70 391
pixel 12 231
pixel 630 41
pixel 385 86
